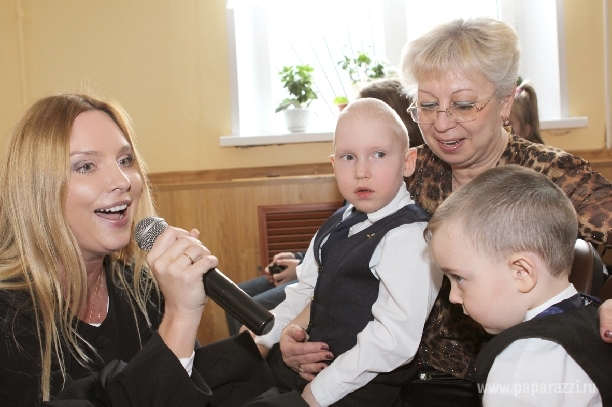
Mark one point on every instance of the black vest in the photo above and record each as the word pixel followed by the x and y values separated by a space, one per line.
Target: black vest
pixel 577 331
pixel 346 289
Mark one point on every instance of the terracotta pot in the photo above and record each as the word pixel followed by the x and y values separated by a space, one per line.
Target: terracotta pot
pixel 341 106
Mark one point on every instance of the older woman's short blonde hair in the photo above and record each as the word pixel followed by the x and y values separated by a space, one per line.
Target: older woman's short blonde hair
pixel 481 45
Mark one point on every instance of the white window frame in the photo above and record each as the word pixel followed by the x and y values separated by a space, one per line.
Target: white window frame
pixel 550 80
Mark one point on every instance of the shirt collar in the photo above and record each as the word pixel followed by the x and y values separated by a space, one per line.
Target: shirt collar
pixel 401 199
pixel 565 294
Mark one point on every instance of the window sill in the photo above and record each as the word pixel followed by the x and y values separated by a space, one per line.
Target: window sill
pixel 271 139
pixel 566 123
pixel 318 137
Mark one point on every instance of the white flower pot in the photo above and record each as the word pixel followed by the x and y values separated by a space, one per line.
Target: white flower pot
pixel 297 119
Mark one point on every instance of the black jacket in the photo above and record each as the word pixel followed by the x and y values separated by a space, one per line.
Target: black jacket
pixel 130 369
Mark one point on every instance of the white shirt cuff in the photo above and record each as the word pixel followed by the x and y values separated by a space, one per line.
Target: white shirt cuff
pixel 188 363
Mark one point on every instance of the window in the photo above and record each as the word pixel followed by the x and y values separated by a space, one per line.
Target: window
pixel 266 35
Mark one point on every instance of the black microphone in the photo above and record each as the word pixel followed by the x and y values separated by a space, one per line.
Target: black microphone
pixel 217 286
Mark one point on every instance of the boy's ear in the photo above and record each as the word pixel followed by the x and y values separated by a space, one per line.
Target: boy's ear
pixel 524 271
pixel 410 161
pixel 332 159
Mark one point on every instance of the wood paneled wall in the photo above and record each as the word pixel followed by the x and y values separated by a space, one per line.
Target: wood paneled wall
pixel 222 205
pixel 225 213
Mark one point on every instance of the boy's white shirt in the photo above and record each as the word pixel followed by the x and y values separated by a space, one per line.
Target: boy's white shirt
pixel 538 372
pixel 410 282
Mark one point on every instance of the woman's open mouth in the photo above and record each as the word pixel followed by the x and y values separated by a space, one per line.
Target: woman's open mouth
pixel 113 213
pixel 450 145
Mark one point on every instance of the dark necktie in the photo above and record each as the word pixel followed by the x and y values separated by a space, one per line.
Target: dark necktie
pixel 341 232
pixel 569 304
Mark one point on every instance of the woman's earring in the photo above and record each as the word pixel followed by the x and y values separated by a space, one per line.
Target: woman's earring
pixel 506 121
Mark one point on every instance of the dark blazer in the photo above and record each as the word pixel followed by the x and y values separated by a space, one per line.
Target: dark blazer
pixel 133 366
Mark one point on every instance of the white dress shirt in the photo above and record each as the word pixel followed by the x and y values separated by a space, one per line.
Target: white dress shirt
pixel 409 284
pixel 538 372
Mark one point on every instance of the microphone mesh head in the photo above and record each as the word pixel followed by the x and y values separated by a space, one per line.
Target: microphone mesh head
pixel 147 230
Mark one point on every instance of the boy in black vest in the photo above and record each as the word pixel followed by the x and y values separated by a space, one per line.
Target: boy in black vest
pixel 366 285
pixel 506 241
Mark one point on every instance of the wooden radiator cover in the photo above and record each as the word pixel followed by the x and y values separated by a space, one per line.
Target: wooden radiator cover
pixel 290 228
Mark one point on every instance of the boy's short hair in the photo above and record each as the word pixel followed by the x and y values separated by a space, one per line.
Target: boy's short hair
pixel 392 92
pixel 511 209
pixel 375 109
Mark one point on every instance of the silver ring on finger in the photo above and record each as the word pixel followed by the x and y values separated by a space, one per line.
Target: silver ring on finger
pixel 299 367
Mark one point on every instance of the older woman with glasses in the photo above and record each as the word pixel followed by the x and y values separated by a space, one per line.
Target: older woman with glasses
pixel 462 76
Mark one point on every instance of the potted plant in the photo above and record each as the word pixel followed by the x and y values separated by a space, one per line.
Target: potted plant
pixel 298 81
pixel 361 69
pixel 341 102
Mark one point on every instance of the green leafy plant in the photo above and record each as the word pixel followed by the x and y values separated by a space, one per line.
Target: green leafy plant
pixel 298 81
pixel 340 100
pixel 363 68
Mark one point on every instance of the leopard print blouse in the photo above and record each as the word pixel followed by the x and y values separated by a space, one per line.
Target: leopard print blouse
pixel 450 339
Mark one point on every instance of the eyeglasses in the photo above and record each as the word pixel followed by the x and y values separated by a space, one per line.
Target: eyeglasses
pixel 457 113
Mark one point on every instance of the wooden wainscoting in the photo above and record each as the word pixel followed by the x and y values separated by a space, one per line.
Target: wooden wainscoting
pixel 290 228
pixel 222 204
pixel 225 213
pixel 600 160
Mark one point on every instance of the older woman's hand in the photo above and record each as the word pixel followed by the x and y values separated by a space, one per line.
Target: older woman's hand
pixel 605 321
pixel 301 356
pixel 178 261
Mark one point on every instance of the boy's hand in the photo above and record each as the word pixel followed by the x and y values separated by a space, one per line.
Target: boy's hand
pixel 605 321
pixel 309 397
pixel 303 357
pixel 262 349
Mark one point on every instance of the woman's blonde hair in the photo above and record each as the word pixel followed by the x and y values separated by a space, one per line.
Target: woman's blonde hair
pixel 38 251
pixel 481 45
